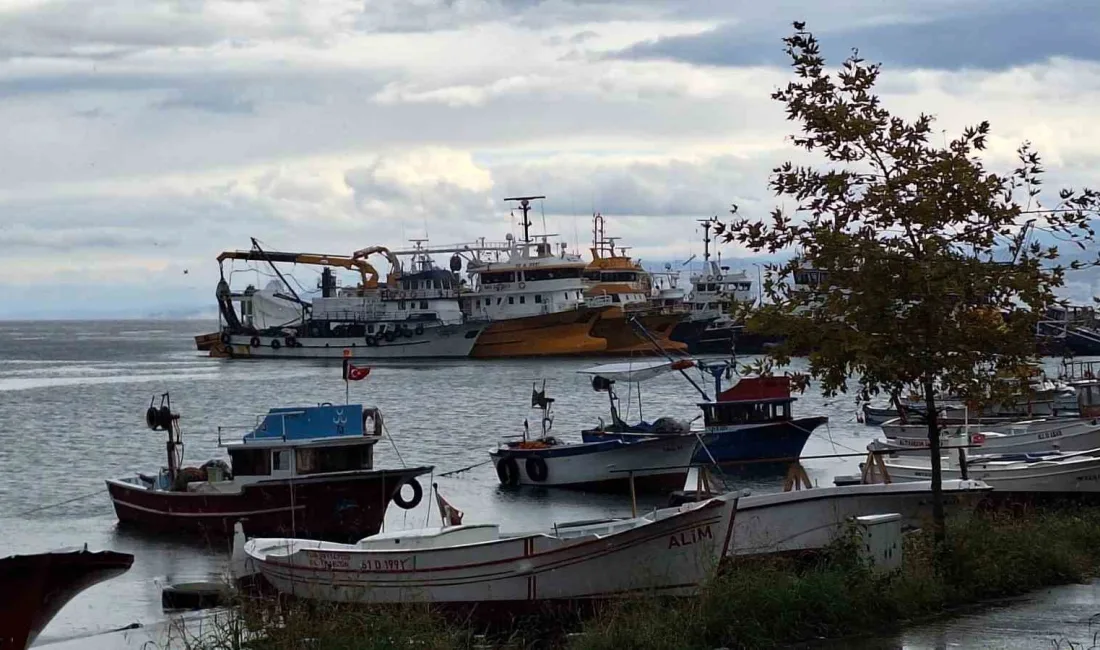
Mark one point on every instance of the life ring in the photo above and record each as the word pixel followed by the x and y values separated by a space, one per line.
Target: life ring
pixel 418 493
pixel 522 285
pixel 376 418
pixel 508 471
pixel 372 341
pixel 225 338
pixel 536 469
pixel 419 329
pixel 254 341
pixel 275 344
pixel 291 342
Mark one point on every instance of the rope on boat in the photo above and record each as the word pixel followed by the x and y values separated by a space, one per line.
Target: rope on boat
pixel 465 469
pixel 61 503
pixel 389 437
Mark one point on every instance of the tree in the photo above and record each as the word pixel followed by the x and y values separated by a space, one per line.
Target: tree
pixel 917 265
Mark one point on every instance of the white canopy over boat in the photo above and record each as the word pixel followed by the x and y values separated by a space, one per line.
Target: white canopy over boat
pixel 637 371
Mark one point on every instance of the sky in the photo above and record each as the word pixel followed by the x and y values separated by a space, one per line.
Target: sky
pixel 144 137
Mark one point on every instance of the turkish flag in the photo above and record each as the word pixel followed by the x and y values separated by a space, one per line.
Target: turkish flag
pixel 352 373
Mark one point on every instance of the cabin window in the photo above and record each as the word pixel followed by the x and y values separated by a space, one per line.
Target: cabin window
pixel 511 300
pixel 401 304
pixel 522 300
pixel 280 460
pixel 614 297
pixel 592 275
pixel 535 275
pixel 498 277
pixel 370 328
pixel 423 304
pixel 250 462
pixel 498 300
pixel 334 459
pixel 538 298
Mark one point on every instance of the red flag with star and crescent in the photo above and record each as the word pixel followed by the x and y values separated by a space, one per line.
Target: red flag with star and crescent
pixel 354 373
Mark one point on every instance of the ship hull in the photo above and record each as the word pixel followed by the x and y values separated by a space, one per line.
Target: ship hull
pixel 622 339
pixel 36 587
pixel 335 507
pixel 447 341
pixel 559 334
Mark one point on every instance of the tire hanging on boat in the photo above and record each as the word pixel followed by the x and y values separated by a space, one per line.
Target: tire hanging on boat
pixel 418 494
pixel 225 338
pixel 254 341
pixel 275 344
pixel 508 471
pixel 419 329
pixel 390 336
pixel 291 342
pixel 536 469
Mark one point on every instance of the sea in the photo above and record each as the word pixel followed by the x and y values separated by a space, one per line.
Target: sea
pixel 73 397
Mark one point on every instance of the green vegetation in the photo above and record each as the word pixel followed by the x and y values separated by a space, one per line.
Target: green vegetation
pixel 914 266
pixel 758 603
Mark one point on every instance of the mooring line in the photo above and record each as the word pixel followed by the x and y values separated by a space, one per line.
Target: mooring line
pixel 61 503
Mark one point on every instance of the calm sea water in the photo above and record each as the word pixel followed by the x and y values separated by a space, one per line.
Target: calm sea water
pixel 73 397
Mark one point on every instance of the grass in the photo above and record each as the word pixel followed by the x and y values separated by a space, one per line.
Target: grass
pixel 755 603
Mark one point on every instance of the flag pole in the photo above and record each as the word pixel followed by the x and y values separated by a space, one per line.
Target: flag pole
pixel 347 359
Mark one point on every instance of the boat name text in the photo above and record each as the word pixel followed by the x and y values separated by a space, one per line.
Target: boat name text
pixel 689 537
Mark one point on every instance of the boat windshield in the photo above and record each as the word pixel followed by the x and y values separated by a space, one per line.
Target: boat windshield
pixel 723 413
pixel 343 458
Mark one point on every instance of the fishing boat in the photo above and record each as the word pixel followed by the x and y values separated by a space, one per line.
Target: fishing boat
pixel 37 586
pixel 655 465
pixel 714 292
pixel 749 426
pixel 1059 473
pixel 615 280
pixel 811 519
pixel 531 298
pixel 413 314
pixel 303 470
pixel 1013 438
pixel 668 551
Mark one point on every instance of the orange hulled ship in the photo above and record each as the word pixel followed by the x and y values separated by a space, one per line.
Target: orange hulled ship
pixel 616 281
pixel 532 297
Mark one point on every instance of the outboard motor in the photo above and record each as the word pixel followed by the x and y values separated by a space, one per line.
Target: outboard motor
pixel 601 384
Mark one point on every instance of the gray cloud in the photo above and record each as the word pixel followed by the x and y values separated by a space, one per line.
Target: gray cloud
pixel 992 36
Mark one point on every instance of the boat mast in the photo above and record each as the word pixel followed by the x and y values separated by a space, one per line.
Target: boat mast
pixel 256 245
pixel 525 206
pixel 706 240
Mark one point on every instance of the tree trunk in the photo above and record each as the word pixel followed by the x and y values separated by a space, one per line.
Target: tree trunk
pixel 938 526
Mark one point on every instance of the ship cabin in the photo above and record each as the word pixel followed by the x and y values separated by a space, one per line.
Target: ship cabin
pixel 752 400
pixel 303 441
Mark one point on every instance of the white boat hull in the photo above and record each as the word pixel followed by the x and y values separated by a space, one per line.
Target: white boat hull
pixel 1074 474
pixel 447 341
pixel 804 520
pixel 896 429
pixel 1076 435
pixel 671 552
pixel 660 463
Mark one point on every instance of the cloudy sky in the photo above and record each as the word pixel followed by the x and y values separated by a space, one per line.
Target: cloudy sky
pixel 143 137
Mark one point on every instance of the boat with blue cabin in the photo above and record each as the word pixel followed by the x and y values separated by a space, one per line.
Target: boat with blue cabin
pixel 305 470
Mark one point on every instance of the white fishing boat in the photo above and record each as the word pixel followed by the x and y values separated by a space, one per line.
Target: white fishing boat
pixel 1062 473
pixel 811 519
pixel 898 428
pixel 1015 438
pixel 657 464
pixel 669 551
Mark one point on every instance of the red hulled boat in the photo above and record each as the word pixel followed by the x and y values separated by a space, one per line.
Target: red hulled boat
pixel 36 587
pixel 304 471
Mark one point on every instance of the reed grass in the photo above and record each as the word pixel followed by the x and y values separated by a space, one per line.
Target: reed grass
pixel 752 603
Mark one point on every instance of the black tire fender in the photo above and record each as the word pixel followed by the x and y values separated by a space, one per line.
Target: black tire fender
pixel 536 469
pixel 508 471
pixel 409 504
pixel 254 341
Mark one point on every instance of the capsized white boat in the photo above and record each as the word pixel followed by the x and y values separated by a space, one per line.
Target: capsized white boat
pixel 668 551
